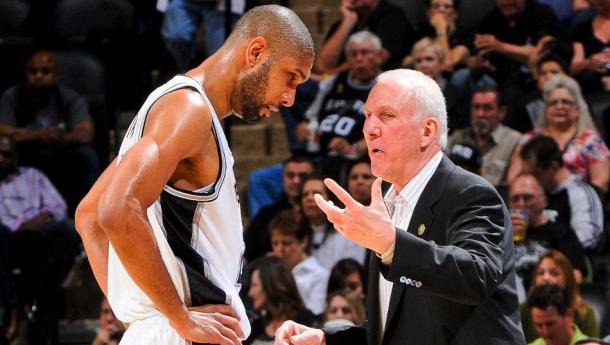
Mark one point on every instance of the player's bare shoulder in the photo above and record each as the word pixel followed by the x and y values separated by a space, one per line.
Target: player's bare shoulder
pixel 183 120
pixel 181 124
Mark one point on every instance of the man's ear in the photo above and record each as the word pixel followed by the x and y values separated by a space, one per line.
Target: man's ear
pixel 256 50
pixel 430 131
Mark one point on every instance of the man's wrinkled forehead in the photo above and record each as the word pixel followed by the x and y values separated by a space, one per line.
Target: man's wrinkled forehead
pixel 386 95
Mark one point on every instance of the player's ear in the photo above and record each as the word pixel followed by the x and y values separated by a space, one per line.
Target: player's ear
pixel 255 51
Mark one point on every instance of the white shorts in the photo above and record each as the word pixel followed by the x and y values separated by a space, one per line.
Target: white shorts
pixel 152 331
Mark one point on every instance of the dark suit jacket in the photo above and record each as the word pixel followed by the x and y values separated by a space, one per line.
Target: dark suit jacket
pixel 455 282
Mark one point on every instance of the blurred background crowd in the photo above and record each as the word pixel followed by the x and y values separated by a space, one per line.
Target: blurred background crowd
pixel 527 86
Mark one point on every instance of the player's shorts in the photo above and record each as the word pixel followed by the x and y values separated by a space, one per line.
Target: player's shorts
pixel 154 330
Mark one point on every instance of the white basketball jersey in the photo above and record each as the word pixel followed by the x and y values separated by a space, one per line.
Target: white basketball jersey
pixel 199 233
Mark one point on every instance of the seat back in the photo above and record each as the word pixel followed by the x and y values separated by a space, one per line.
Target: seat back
pixel 85 74
pixel 80 20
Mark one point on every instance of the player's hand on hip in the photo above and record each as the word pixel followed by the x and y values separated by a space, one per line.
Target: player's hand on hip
pixel 210 328
pixel 369 226
pixel 292 333
pixel 224 309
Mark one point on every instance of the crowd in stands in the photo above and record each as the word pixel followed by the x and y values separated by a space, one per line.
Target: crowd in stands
pixel 527 87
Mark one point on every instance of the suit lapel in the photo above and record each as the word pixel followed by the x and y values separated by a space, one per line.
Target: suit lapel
pixel 422 216
pixel 374 319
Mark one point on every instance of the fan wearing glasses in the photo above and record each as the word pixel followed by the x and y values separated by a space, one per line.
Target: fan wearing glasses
pixel 537 230
pixel 567 120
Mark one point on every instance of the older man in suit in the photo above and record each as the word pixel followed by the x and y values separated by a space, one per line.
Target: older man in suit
pixel 443 273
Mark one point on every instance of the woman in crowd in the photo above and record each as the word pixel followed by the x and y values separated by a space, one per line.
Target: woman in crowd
pixel 343 308
pixel 275 299
pixel 327 245
pixel 347 276
pixel 567 120
pixel 290 242
pixel 443 29
pixel 359 180
pixel 110 327
pixel 554 268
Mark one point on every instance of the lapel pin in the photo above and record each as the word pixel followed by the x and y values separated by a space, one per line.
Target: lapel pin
pixel 421 229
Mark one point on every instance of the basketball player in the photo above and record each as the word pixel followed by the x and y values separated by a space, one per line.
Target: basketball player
pixel 162 226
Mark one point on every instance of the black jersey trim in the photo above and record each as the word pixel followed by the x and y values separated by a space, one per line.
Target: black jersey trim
pixel 177 216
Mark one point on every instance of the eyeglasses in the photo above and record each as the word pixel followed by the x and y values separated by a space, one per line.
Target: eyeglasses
pixel 363 176
pixel 563 101
pixel 292 174
pixel 525 197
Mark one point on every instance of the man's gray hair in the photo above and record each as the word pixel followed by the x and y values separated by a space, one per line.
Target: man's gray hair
pixel 425 93
pixel 364 36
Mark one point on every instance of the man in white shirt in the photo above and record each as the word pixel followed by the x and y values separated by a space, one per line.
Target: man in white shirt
pixel 444 270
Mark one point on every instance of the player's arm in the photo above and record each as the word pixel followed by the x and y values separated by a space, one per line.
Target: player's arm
pixel 94 238
pixel 136 183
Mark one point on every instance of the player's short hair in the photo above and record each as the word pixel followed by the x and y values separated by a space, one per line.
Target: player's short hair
pixel 281 27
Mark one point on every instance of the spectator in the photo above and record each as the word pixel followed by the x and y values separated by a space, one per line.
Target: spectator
pixel 52 127
pixel 290 242
pixel 360 179
pixel 327 245
pixel 527 115
pixel 429 58
pixel 591 41
pixel 552 316
pixel 180 25
pixel 535 234
pixel 268 185
pixel 343 308
pixel 275 298
pixel 488 135
pixel 347 275
pixel 43 241
pixel 554 268
pixel 384 19
pixel 294 171
pixel 507 34
pixel 442 28
pixel 110 326
pixel 575 202
pixel 568 121
pixel 550 46
pixel 336 117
